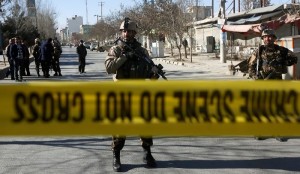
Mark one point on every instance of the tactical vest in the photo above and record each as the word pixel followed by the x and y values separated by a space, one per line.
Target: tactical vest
pixel 272 61
pixel 135 68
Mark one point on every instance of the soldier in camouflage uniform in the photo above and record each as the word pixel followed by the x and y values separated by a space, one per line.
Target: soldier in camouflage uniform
pixel 36 54
pixel 270 61
pixel 56 56
pixel 126 64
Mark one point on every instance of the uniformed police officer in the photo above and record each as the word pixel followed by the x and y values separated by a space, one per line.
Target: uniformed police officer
pixel 126 64
pixel 270 61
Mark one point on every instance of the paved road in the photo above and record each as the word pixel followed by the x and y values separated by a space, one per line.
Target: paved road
pixel 92 154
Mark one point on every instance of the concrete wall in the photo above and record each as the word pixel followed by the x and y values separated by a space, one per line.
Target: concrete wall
pixel 202 34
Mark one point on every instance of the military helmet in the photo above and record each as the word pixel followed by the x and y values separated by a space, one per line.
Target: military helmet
pixel 127 24
pixel 268 32
pixel 81 41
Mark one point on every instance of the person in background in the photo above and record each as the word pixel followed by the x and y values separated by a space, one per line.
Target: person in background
pixel 36 54
pixel 17 53
pixel 47 51
pixel 81 51
pixel 10 60
pixel 56 56
pixel 25 68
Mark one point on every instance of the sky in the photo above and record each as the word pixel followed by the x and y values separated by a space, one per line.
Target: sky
pixel 69 8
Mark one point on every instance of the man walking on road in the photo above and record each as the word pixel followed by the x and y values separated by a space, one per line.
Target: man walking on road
pixel 81 51
pixel 123 60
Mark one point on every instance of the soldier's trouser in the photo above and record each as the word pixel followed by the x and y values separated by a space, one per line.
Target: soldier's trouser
pixel 118 142
pixel 45 67
pixel 55 65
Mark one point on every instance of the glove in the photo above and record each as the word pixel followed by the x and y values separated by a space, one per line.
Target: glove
pixel 154 70
pixel 291 61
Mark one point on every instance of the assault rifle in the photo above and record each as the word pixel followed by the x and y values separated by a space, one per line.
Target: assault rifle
pixel 143 56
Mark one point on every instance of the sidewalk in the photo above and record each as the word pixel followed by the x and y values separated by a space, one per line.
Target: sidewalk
pixel 3 67
pixel 208 61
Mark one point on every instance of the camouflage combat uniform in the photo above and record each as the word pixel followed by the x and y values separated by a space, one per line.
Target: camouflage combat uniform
pixel 273 62
pixel 36 54
pixel 56 56
pixel 128 68
pixel 127 65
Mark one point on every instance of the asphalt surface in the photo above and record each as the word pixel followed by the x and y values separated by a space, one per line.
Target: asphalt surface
pixel 92 154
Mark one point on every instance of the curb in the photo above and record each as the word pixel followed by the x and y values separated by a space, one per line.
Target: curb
pixel 6 68
pixel 3 72
pixel 170 62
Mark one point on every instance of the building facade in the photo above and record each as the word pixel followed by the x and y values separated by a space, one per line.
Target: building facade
pixel 74 23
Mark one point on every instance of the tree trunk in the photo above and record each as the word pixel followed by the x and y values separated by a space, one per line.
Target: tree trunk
pixel 172 53
pixel 185 52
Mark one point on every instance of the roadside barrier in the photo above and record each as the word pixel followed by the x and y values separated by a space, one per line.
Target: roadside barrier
pixel 173 108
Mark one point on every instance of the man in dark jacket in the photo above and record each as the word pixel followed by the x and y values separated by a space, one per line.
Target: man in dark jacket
pixel 81 51
pixel 47 51
pixel 17 53
pixel 10 60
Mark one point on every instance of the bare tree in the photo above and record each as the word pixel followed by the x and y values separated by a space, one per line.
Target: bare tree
pixel 174 22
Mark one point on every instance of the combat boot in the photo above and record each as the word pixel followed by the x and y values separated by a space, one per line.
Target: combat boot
pixel 148 158
pixel 116 161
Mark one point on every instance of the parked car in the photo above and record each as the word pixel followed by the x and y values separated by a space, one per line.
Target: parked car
pixel 87 45
pixel 101 49
pixel 94 46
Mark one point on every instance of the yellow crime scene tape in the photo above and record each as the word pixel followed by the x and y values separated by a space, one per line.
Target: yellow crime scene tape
pixel 175 108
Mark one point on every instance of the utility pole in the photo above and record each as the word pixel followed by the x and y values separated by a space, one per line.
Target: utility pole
pixel 86 10
pixel 101 4
pixel 222 21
